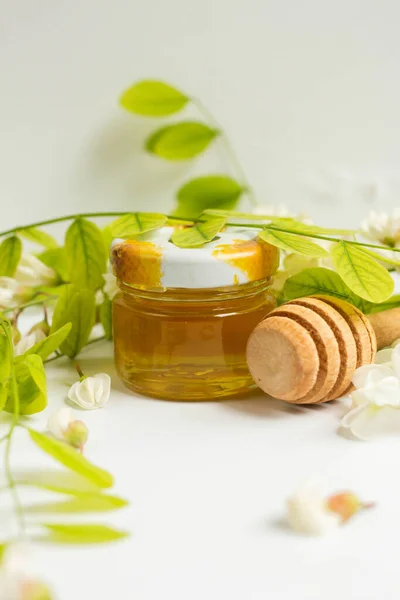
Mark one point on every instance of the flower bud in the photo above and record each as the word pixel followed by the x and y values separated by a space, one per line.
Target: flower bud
pixel 76 434
pixel 346 505
pixel 35 590
pixel 43 326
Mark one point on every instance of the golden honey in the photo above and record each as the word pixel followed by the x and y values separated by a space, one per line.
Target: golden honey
pixel 186 342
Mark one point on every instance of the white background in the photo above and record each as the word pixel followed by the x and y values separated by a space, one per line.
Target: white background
pixel 307 90
pixel 309 93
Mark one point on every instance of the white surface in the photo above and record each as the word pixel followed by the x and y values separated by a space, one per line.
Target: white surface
pixel 308 91
pixel 207 484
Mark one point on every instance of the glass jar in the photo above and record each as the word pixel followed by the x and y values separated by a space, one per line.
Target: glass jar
pixel 182 317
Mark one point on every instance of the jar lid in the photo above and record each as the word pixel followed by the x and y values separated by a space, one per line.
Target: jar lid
pixel 152 261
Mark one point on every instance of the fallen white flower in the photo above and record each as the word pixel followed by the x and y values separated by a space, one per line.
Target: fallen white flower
pixel 310 512
pixel 110 286
pixel 92 392
pixel 28 341
pixel 63 425
pixel 307 512
pixel 376 401
pixel 18 580
pixel 32 272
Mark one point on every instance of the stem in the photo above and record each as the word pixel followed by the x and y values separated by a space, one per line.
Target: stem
pixel 61 219
pixel 7 453
pixel 28 304
pixel 190 221
pixel 79 370
pixel 98 339
pixel 228 148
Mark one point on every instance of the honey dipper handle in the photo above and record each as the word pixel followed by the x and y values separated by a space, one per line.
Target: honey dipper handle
pixel 386 325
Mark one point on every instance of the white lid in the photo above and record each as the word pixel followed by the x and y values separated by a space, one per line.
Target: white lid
pixel 151 261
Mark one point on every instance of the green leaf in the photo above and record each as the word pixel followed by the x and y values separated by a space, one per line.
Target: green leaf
pixel 57 481
pixel 319 280
pixel 362 273
pixel 39 237
pixel 106 317
pixel 153 99
pixel 392 302
pixel 292 242
pixel 10 254
pixel 3 548
pixel 51 343
pixel 5 356
pixel 296 225
pixel 181 141
pixel 107 237
pixel 86 254
pixel 84 503
pixel 71 459
pixel 203 193
pixel 56 259
pixel 32 389
pixel 136 223
pixel 81 534
pixel 199 234
pixel 77 307
pixel 234 215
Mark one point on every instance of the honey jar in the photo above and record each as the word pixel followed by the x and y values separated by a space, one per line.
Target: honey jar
pixel 183 316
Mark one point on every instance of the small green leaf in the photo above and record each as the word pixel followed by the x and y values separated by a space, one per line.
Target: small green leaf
pixel 318 280
pixel 203 193
pixel 362 273
pixel 3 548
pixel 181 141
pixel 77 307
pixel 86 254
pixel 81 534
pixel 84 503
pixel 71 459
pixel 56 259
pixel 106 317
pixel 51 343
pixel 136 223
pixel 10 254
pixel 153 99
pixel 199 234
pixel 32 389
pixel 292 242
pixel 39 237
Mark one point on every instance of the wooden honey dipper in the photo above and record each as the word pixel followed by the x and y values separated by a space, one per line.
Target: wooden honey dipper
pixel 307 350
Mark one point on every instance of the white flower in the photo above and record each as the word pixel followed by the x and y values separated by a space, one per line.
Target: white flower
pixel 376 400
pixel 308 512
pixel 18 580
pixel 27 341
pixel 9 289
pixel 32 272
pixel 382 228
pixel 91 392
pixel 63 425
pixel 110 286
